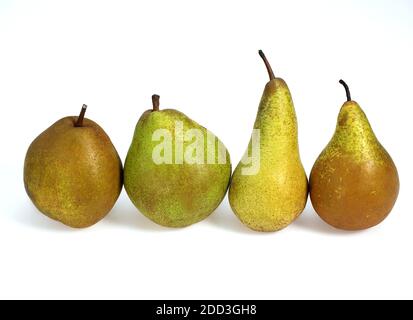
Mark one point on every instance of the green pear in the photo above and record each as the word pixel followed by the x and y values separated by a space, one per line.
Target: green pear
pixel 72 172
pixel 354 182
pixel 270 197
pixel 176 171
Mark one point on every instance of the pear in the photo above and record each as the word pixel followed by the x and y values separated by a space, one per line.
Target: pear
pixel 72 172
pixel 354 182
pixel 176 171
pixel 271 196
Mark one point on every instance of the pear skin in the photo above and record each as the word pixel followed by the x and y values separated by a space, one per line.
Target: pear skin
pixel 72 172
pixel 273 197
pixel 354 182
pixel 174 193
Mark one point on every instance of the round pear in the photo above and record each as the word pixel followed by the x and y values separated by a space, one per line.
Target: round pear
pixel 72 172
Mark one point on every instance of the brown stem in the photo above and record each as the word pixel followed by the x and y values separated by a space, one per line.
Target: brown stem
pixel 267 65
pixel 347 90
pixel 155 102
pixel 79 122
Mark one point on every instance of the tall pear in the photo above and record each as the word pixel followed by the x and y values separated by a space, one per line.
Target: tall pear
pixel 269 186
pixel 72 172
pixel 176 171
pixel 354 182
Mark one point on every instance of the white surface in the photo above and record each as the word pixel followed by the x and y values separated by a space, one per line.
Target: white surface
pixel 202 59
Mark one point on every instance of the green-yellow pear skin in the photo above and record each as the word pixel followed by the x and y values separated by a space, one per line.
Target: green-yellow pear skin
pixel 354 183
pixel 72 172
pixel 274 196
pixel 170 187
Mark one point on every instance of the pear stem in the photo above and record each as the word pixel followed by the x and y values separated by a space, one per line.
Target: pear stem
pixel 267 65
pixel 347 89
pixel 155 102
pixel 79 122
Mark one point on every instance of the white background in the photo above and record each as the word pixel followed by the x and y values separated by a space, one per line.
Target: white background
pixel 201 57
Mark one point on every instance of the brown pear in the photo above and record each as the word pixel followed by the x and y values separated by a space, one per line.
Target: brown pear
pixel 354 182
pixel 72 172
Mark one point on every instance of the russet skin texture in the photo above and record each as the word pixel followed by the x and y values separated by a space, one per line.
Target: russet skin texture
pixel 73 174
pixel 275 197
pixel 354 182
pixel 172 195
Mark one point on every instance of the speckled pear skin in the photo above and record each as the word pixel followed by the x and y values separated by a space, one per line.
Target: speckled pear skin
pixel 172 195
pixel 73 174
pixel 354 182
pixel 275 197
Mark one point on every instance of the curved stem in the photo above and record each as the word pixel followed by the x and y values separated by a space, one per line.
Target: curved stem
pixel 347 89
pixel 267 65
pixel 155 102
pixel 79 122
